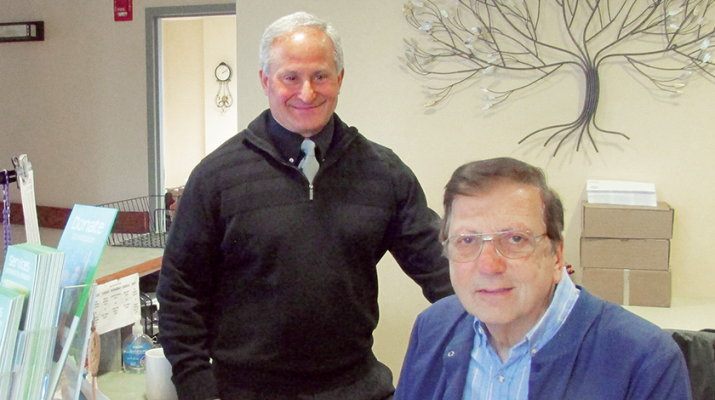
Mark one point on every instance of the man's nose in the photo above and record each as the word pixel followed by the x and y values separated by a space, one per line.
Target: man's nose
pixel 490 262
pixel 307 94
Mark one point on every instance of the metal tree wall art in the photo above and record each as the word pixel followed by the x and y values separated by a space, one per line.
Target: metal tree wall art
pixel 526 41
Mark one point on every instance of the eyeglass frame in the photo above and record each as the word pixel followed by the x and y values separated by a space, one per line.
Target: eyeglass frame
pixel 489 237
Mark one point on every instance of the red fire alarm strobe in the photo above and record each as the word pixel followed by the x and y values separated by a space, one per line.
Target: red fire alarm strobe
pixel 123 10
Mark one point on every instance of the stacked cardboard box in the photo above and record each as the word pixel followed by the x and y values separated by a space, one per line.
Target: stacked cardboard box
pixel 625 253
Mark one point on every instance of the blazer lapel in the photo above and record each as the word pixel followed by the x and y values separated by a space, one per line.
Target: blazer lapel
pixel 456 359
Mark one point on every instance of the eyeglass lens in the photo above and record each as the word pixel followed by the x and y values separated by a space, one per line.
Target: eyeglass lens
pixel 510 244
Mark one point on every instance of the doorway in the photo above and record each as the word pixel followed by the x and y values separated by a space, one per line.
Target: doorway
pixel 183 47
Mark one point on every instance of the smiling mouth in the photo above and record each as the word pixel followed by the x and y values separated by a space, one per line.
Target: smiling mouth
pixel 304 107
pixel 493 291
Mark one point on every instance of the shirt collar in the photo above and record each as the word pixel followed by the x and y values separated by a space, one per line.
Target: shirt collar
pixel 564 299
pixel 562 303
pixel 288 143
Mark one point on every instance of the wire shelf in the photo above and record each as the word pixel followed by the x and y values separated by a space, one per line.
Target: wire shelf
pixel 141 222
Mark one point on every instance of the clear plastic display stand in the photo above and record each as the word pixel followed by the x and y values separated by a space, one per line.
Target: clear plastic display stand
pixel 60 353
pixel 69 370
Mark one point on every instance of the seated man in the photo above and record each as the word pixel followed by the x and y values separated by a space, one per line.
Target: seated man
pixel 518 328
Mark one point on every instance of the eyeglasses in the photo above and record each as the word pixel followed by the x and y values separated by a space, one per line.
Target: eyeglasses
pixel 509 244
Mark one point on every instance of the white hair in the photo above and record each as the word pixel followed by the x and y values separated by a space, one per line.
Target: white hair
pixel 291 23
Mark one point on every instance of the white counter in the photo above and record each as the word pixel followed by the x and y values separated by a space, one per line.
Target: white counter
pixel 122 386
pixel 686 313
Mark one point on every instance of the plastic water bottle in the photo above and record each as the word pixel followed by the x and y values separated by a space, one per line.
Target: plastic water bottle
pixel 135 348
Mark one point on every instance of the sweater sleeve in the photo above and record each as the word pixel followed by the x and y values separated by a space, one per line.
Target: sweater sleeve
pixel 415 236
pixel 184 292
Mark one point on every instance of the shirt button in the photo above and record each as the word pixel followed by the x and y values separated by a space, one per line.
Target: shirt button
pixel 291 160
pixel 501 379
pixel 450 354
pixel 534 351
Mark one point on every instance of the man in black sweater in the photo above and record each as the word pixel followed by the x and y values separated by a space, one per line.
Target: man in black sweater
pixel 268 288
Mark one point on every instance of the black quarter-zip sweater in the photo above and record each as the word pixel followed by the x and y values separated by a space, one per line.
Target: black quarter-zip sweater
pixel 280 290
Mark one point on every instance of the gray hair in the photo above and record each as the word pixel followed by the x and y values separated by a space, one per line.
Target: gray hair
pixel 291 23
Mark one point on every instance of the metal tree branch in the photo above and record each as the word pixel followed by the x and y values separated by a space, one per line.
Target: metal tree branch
pixel 526 41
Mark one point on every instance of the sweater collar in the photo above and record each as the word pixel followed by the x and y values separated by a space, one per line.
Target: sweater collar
pixel 288 143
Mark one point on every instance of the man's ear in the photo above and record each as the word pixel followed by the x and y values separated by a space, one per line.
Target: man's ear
pixel 340 79
pixel 559 262
pixel 264 81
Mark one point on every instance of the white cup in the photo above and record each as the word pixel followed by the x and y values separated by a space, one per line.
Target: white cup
pixel 158 376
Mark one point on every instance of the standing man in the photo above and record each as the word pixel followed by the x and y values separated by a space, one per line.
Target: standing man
pixel 518 328
pixel 270 267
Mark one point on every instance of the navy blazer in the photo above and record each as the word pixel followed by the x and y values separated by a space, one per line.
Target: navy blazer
pixel 601 352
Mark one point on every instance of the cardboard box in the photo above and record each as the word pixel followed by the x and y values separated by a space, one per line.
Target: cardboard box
pixel 604 283
pixel 629 222
pixel 640 254
pixel 629 287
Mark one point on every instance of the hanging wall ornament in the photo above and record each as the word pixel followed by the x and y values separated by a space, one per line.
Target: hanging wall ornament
pixel 223 97
pixel 526 41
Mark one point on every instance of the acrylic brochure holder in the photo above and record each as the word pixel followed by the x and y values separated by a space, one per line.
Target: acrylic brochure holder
pixel 61 380
pixel 69 370
pixel 29 353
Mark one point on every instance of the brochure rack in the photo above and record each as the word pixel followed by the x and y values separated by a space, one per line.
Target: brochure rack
pixel 50 355
pixel 39 356
pixel 70 373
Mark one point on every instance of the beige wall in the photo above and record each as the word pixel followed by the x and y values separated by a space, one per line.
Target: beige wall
pixel 671 139
pixel 76 104
pixel 192 48
pixel 219 46
pixel 183 117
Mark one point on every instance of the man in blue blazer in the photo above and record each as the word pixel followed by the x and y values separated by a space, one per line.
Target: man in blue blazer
pixel 518 328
